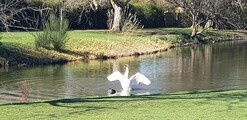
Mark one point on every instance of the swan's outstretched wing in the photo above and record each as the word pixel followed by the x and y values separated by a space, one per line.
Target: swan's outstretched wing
pixel 138 77
pixel 118 76
pixel 115 76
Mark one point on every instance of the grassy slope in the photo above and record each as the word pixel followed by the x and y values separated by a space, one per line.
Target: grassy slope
pixel 18 47
pixel 112 44
pixel 224 105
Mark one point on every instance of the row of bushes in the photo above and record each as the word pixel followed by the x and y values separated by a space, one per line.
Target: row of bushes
pixel 151 15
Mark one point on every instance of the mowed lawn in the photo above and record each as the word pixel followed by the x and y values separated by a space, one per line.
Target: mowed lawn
pixel 81 44
pixel 99 43
pixel 203 105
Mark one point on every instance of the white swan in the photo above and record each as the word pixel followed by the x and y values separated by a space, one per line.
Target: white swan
pixel 127 82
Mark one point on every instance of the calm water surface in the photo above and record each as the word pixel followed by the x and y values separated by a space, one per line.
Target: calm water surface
pixel 206 67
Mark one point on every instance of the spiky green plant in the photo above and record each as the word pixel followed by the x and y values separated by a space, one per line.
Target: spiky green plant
pixel 42 39
pixel 59 37
pixel 54 34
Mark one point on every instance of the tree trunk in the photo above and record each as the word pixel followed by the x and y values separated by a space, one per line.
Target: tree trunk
pixel 209 24
pixel 194 26
pixel 118 16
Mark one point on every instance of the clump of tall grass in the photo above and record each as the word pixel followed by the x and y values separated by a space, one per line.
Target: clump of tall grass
pixel 130 23
pixel 53 35
pixel 42 39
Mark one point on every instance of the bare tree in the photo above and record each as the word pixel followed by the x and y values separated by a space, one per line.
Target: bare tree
pixel 229 14
pixel 239 7
pixel 63 6
pixel 197 10
pixel 13 13
pixel 84 5
pixel 241 3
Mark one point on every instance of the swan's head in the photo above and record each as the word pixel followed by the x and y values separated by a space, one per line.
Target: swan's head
pixel 126 65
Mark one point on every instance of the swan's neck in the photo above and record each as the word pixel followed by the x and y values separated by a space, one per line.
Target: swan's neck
pixel 126 72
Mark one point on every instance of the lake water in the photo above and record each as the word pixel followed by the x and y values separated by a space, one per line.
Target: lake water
pixel 218 66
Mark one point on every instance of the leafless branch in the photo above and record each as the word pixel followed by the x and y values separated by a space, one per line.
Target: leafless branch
pixel 13 14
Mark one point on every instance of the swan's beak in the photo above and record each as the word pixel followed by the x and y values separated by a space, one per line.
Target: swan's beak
pixel 126 65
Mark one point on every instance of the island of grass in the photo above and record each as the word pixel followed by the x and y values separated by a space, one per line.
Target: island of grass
pixel 201 105
pixel 18 48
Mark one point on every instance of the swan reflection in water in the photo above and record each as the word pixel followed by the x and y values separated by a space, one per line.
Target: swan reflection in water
pixel 126 83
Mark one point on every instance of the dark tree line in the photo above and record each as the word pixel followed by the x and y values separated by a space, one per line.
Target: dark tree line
pixel 30 14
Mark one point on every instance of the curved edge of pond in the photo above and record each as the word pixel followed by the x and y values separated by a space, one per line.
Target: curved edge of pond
pixel 240 35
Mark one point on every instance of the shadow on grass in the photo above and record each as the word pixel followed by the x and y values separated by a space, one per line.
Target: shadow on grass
pixel 205 95
pixel 80 103
pixel 221 95
pixel 17 55
pixel 76 53
pixel 79 106
pixel 83 55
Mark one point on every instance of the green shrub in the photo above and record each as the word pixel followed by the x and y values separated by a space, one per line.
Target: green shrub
pixel 173 38
pixel 152 15
pixel 42 40
pixel 184 20
pixel 54 34
pixel 179 38
pixel 58 32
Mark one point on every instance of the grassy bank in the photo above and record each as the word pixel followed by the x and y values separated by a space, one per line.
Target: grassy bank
pixel 207 105
pixel 18 48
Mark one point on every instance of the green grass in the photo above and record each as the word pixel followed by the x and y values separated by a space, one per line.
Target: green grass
pixel 203 105
pixel 111 44
pixel 180 36
pixel 18 47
